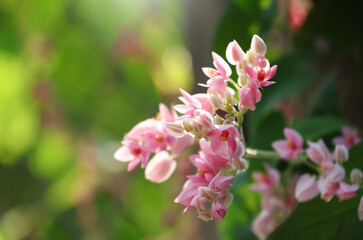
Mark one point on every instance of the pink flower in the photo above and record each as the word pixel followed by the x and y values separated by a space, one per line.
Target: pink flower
pixel 306 188
pixel 291 147
pixel 298 13
pixel 264 224
pixel 319 153
pixel 260 72
pixel 249 96
pixel 160 167
pixel 349 139
pixel 180 144
pixel 132 152
pixel 360 209
pixel 220 183
pixel 192 103
pixel 346 191
pixel 266 182
pixel 328 183
pixel 218 211
pixel 223 136
pixel 222 70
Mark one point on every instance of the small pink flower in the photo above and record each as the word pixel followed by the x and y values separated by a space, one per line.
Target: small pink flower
pixel 266 182
pixel 260 73
pixel 328 183
pixel 346 191
pixel 132 152
pixel 360 209
pixel 193 103
pixel 264 224
pixel 220 183
pixel 222 70
pixel 218 211
pixel 223 136
pixel 291 147
pixel 160 167
pixel 249 96
pixel 349 139
pixel 306 188
pixel 319 153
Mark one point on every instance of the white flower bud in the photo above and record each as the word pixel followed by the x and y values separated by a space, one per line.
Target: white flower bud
pixel 341 154
pixel 188 125
pixel 258 46
pixel 206 192
pixel 239 163
pixel 229 97
pixel 205 216
pixel 218 120
pixel 356 176
pixel 216 100
pixel 206 119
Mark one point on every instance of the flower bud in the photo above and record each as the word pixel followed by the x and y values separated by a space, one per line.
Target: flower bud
pixel 360 209
pixel 218 120
pixel 242 80
pixel 174 129
pixel 234 53
pixel 205 216
pixel 188 125
pixel 160 167
pixel 356 176
pixel 206 192
pixel 341 154
pixel 228 200
pixel 229 97
pixel 206 119
pixel 258 46
pixel 216 100
pixel 197 126
pixel 250 57
pixel 239 163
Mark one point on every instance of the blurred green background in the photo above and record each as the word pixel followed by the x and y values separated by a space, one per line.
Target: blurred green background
pixel 75 76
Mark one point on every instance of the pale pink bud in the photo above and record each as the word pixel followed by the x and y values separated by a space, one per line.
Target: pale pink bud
pixel 258 46
pixel 216 100
pixel 360 209
pixel 356 176
pixel 235 53
pixel 306 188
pixel 174 129
pixel 206 192
pixel 205 216
pixel 206 119
pixel 218 211
pixel 341 154
pixel 160 167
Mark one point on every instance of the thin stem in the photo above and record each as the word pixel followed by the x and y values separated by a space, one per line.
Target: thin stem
pixel 234 84
pixel 254 153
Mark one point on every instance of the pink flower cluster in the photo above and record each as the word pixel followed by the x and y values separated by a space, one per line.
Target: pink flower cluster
pixel 150 137
pixel 207 190
pixel 331 179
pixel 277 202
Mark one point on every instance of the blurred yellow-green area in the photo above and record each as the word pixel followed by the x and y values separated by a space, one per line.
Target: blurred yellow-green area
pixel 75 76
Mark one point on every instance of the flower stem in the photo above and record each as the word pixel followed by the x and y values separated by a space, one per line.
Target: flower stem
pixel 254 153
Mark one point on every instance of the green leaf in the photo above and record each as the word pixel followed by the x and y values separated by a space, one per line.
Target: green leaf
pixel 355 158
pixel 315 127
pixel 317 219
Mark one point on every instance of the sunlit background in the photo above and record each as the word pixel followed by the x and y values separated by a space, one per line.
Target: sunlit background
pixel 75 76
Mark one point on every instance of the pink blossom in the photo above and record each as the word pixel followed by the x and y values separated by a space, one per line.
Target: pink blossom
pixel 328 183
pixel 223 136
pixel 346 191
pixel 192 103
pixel 360 209
pixel 260 73
pixel 291 147
pixel 220 183
pixel 349 139
pixel 222 70
pixel 160 167
pixel 264 224
pixel 298 13
pixel 132 152
pixel 180 144
pixel 266 182
pixel 218 211
pixel 319 153
pixel 306 188
pixel 249 96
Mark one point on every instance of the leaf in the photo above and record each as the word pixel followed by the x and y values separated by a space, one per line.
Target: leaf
pixel 317 219
pixel 355 158
pixel 315 127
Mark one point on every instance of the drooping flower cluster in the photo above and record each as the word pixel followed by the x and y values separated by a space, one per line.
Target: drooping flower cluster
pixel 277 202
pixel 213 120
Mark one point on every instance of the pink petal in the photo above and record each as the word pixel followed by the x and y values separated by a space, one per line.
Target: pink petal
pixel 221 65
pixel 160 167
pixel 232 145
pixel 166 115
pixel 133 164
pixel 123 154
pixel 306 188
pixel 282 149
pixel 190 99
pixel 294 137
pixel 252 73
pixel 234 53
pixel 217 145
pixel 271 73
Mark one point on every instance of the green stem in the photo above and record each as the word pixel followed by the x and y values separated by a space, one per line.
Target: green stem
pixel 254 153
pixel 234 84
